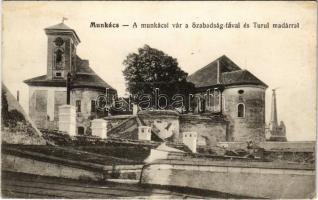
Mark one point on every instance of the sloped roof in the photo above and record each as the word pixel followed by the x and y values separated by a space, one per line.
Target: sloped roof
pixel 45 81
pixel 230 72
pixel 84 77
pixel 62 27
pixel 240 77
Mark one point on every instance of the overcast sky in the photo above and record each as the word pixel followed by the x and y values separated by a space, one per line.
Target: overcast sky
pixel 281 58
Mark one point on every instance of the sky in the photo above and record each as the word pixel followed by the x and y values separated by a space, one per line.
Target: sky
pixel 284 58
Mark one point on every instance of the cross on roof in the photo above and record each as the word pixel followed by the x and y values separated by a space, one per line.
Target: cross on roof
pixel 63 19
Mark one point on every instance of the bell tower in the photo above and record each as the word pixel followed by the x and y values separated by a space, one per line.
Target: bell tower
pixel 61 53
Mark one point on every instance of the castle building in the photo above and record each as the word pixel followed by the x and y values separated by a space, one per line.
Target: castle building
pixel 230 108
pixel 48 92
pixel 223 88
pixel 230 101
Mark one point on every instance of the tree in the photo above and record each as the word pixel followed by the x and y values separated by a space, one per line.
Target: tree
pixel 152 69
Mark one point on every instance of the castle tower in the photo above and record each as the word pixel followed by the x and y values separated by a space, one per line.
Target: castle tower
pixel 244 106
pixel 61 54
pixel 238 96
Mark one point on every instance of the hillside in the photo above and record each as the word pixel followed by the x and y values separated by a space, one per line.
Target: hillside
pixel 16 126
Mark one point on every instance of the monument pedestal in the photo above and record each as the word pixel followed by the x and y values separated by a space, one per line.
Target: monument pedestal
pixel 99 128
pixel 67 119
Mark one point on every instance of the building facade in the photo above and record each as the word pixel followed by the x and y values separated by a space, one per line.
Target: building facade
pixel 230 107
pixel 223 88
pixel 48 92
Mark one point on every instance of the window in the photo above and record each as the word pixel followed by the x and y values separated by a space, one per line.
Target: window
pixel 241 91
pixel 93 106
pixel 58 74
pixel 78 105
pixel 58 41
pixel 240 110
pixel 59 58
pixel 80 130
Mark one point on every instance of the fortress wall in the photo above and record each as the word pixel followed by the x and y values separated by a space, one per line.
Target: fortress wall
pixel 20 164
pixel 30 166
pixel 164 122
pixel 209 131
pixel 254 182
pixel 297 146
pixel 114 121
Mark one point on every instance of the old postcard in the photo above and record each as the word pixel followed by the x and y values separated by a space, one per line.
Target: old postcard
pixel 158 99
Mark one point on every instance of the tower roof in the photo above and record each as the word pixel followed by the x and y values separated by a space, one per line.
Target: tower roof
pixel 230 74
pixel 60 28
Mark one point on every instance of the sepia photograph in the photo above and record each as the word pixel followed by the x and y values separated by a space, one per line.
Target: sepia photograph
pixel 158 100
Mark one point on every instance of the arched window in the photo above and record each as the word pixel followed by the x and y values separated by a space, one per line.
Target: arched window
pixel 241 110
pixel 59 58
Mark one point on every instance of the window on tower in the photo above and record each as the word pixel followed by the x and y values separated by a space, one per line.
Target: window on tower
pixel 59 54
pixel 93 106
pixel 59 58
pixel 78 105
pixel 241 110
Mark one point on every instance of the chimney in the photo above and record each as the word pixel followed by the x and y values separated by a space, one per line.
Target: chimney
pixel 189 139
pixel 18 95
pixel 144 133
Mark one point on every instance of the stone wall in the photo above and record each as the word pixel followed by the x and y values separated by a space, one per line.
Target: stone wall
pixel 252 125
pixel 296 146
pixel 127 130
pixel 164 122
pixel 245 181
pixel 114 121
pixel 30 166
pixel 293 146
pixel 296 152
pixel 209 131
pixel 170 125
pixel 26 165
